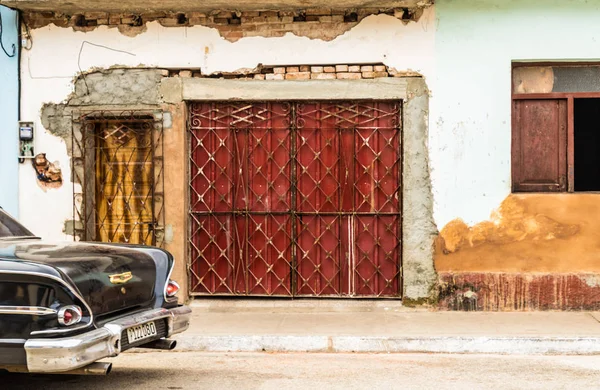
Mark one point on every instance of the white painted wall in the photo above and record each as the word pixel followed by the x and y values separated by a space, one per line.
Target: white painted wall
pixel 476 40
pixel 48 70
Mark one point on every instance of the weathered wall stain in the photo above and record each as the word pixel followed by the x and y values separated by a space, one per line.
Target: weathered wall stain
pixel 512 222
pixel 496 291
pixel 528 233
pixel 534 79
pixel 537 252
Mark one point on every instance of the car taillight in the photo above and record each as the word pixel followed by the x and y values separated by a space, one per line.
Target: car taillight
pixel 172 289
pixel 69 315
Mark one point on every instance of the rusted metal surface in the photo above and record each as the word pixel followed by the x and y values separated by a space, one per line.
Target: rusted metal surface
pixel 539 145
pixel 518 291
pixel 117 159
pixel 295 199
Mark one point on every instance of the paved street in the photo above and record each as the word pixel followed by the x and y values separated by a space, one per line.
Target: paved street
pixel 194 370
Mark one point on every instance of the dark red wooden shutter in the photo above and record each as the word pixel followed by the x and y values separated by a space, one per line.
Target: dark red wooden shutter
pixel 539 145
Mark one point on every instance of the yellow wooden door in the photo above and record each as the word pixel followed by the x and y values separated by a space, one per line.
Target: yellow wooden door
pixel 124 183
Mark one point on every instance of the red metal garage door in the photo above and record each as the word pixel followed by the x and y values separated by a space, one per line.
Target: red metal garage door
pixel 295 198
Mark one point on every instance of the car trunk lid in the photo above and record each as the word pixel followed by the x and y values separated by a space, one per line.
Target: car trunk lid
pixel 111 278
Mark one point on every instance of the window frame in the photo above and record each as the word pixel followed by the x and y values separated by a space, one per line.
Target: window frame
pixel 570 98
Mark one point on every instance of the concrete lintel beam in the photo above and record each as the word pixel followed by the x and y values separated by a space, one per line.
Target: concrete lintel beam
pixel 215 89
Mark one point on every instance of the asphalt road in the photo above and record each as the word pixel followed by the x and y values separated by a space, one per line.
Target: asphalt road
pixel 193 370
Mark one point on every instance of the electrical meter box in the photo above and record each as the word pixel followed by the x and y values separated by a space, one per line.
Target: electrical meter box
pixel 26 140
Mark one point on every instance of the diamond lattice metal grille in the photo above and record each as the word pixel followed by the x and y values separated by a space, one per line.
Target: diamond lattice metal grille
pixel 295 198
pixel 118 172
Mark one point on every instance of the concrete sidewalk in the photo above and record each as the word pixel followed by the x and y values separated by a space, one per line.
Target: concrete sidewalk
pixel 383 327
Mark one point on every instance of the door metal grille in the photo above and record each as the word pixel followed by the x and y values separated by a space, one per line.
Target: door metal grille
pixel 295 198
pixel 118 177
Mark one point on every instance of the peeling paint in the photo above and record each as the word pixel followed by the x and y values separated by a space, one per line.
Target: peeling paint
pixel 591 280
pixel 510 223
pixel 518 292
pixel 231 25
pixel 529 233
pixel 71 226
pixel 49 174
pixel 168 234
pixel 167 120
pixel 535 79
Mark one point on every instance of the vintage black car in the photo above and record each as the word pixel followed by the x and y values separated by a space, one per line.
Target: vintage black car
pixel 64 306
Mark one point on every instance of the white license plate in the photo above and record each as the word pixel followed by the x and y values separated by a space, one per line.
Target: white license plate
pixel 141 332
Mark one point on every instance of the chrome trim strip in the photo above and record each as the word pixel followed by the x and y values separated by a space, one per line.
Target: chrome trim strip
pixel 68 353
pixel 27 310
pixel 59 331
pixel 68 287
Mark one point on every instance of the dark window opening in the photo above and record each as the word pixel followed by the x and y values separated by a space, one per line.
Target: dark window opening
pixel 587 144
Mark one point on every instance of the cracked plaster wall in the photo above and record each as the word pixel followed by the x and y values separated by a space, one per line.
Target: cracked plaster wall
pixel 316 23
pixel 58 54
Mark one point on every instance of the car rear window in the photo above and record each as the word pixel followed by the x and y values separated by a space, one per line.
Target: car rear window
pixel 26 294
pixel 9 227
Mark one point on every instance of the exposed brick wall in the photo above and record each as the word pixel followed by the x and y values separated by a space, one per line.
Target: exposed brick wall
pixel 323 24
pixel 305 72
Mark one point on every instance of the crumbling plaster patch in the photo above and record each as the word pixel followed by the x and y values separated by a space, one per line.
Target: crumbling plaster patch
pixel 204 5
pixel 315 23
pixel 418 227
pixel 117 87
pixel 528 233
pixel 48 174
pixel 57 119
pixel 373 39
pixel 111 88
pixel 512 222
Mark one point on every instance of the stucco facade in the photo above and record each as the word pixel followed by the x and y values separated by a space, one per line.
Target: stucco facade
pixel 462 51
pixel 48 72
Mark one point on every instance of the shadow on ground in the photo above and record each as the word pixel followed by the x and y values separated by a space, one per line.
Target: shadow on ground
pixel 119 378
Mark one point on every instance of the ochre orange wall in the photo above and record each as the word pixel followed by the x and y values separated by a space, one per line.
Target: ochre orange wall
pixel 529 233
pixel 175 171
